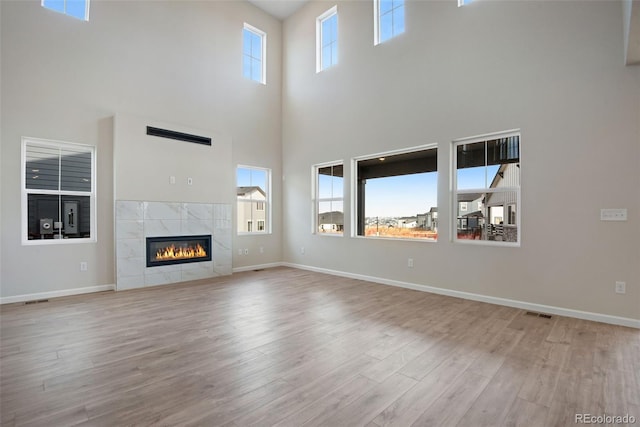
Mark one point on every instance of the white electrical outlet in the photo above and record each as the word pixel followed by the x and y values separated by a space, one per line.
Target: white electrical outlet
pixel 410 263
pixel 246 251
pixel 613 214
pixel 621 288
pixel 302 250
pixel 84 266
pixel 190 181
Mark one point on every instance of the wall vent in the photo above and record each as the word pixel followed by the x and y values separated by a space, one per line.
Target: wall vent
pixel 180 136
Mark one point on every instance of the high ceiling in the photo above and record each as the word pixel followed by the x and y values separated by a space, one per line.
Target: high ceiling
pixel 281 9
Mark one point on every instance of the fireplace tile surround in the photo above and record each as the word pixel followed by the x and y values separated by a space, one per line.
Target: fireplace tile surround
pixel 137 220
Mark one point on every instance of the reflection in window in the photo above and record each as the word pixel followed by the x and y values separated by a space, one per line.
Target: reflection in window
pixel 253 199
pixel 487 188
pixel 329 198
pixel 59 187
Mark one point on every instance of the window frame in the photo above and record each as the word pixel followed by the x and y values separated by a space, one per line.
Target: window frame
pixel 25 192
pixel 263 49
pixel 267 203
pixel 316 200
pixel 354 190
pixel 320 66
pixel 377 23
pixel 455 192
pixel 85 18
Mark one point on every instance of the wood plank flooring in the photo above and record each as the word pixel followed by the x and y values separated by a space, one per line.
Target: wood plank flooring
pixel 286 347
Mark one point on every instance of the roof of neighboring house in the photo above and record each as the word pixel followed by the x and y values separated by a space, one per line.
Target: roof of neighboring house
pixel 476 214
pixel 241 191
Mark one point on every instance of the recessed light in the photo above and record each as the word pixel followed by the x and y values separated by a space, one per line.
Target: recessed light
pixel 381 159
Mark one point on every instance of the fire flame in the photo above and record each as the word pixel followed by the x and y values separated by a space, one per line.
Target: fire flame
pixel 173 252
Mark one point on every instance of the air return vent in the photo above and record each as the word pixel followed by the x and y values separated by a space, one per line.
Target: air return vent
pixel 533 313
pixel 180 136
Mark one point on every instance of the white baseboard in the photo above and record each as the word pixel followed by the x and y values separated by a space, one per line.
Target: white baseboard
pixel 55 294
pixel 257 267
pixel 548 309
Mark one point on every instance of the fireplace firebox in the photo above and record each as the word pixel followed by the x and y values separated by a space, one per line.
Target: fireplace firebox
pixel 178 250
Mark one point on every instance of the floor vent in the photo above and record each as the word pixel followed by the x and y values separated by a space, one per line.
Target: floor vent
pixel 533 313
pixel 36 301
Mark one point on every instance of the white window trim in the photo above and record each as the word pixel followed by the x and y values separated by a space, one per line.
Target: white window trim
pixel 263 38
pixel 319 20
pixel 268 208
pixel 316 200
pixel 24 195
pixel 455 192
pixel 354 192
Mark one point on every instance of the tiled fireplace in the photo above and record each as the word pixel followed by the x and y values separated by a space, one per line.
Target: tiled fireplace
pixel 165 242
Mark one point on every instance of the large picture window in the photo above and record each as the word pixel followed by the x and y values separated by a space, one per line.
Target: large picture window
pixel 58 191
pixel 487 189
pixel 396 194
pixel 253 200
pixel 329 199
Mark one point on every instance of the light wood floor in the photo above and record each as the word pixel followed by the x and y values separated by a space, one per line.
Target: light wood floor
pixel 288 347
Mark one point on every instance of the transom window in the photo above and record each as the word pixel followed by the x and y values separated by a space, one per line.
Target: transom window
pixel 58 191
pixel 254 43
pixel 487 189
pixel 329 198
pixel 396 194
pixel 253 199
pixel 76 8
pixel 388 19
pixel 327 39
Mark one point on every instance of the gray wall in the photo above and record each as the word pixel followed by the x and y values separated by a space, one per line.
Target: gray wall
pixel 177 62
pixel 553 69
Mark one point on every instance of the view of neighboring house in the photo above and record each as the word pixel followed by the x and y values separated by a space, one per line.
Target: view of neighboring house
pixel 331 222
pixel 408 222
pixel 251 209
pixel 491 216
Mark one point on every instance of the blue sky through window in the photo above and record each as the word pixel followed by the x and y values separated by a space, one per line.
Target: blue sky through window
pixel 75 8
pixel 391 16
pixel 252 55
pixel 329 41
pixel 403 195
pixel 247 177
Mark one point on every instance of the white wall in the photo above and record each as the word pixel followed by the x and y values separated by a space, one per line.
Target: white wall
pixel 553 69
pixel 177 62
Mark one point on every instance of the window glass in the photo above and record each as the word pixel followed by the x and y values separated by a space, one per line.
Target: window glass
pixel 487 189
pixel 253 52
pixel 329 199
pixel 253 199
pixel 397 195
pixel 59 191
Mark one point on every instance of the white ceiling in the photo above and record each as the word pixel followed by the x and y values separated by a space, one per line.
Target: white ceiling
pixel 281 9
